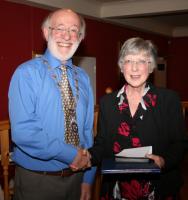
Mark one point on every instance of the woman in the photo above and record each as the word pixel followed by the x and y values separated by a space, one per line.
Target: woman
pixel 141 114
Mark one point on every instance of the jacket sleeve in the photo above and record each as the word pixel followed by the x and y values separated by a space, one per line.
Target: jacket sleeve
pixel 174 128
pixel 102 141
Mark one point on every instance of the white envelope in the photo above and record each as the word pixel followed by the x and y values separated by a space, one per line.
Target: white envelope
pixel 138 152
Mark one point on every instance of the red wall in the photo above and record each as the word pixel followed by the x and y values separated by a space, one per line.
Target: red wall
pixel 177 66
pixel 21 34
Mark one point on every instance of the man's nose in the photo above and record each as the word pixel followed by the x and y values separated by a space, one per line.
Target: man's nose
pixel 66 34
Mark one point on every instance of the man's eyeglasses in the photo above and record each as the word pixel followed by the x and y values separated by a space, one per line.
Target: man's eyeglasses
pixel 140 62
pixel 73 31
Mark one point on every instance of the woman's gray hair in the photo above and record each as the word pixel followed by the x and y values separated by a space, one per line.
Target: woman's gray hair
pixel 135 46
pixel 46 23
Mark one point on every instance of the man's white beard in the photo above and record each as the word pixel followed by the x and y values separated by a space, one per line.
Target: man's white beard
pixel 52 46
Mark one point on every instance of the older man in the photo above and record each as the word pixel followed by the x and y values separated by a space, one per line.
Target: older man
pixel 51 113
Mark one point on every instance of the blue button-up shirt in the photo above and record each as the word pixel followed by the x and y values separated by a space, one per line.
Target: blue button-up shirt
pixel 37 118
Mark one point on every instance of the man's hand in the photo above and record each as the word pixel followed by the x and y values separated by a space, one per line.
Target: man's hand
pixel 85 191
pixel 81 161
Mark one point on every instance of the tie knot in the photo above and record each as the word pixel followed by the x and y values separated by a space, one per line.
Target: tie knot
pixel 63 68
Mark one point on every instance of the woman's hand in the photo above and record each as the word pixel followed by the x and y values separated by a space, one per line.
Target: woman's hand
pixel 159 161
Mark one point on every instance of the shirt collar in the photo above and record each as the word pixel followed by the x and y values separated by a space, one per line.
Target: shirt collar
pixel 122 90
pixel 54 62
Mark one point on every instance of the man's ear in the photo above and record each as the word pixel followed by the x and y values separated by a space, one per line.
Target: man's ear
pixel 81 37
pixel 45 33
pixel 151 71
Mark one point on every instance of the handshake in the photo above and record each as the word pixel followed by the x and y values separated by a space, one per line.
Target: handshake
pixel 81 161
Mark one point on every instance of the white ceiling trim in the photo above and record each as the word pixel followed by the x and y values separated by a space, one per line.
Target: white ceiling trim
pixel 141 7
pixel 85 7
pixel 115 11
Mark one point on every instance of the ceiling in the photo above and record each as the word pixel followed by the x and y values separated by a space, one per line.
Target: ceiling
pixel 166 17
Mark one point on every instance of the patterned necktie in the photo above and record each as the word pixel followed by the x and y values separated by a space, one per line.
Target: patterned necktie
pixel 69 108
